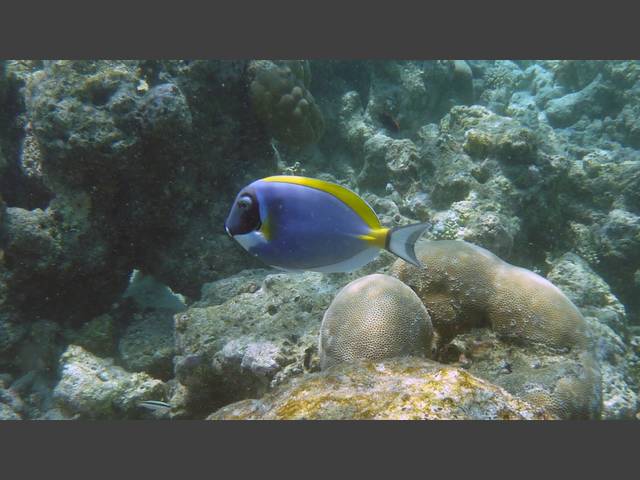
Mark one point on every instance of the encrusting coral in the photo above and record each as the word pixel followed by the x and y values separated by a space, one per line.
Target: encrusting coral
pixel 394 389
pixel 374 317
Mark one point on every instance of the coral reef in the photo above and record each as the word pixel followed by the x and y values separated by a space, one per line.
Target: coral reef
pixel 395 389
pixel 281 99
pixel 11 405
pixel 396 160
pixel 608 323
pixel 94 388
pixel 113 142
pixel 97 336
pixel 58 246
pixel 373 318
pixel 568 109
pixel 261 335
pixel 465 287
pixel 147 345
pixel 566 385
pixel 116 177
pixel 11 333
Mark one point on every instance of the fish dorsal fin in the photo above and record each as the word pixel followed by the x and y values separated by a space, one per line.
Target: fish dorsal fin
pixel 346 196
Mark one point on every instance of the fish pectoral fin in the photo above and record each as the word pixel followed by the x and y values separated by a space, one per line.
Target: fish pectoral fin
pixel 267 229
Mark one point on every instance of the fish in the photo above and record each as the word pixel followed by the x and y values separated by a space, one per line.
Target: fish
pixel 154 405
pixel 390 122
pixel 297 223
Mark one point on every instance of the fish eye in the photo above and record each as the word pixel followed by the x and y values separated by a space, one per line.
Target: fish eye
pixel 244 202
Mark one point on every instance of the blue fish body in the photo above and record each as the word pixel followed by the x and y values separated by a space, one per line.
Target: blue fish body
pixel 296 223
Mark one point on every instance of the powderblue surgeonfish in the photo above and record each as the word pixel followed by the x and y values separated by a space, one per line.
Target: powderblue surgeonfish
pixel 300 223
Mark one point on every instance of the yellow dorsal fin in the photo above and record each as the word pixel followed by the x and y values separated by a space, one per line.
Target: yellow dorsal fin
pixel 343 194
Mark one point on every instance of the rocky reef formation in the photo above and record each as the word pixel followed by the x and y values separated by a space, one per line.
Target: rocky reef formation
pixel 465 286
pixel 94 388
pixel 148 345
pixel 108 168
pixel 253 331
pixel 610 332
pixel 113 142
pixel 395 389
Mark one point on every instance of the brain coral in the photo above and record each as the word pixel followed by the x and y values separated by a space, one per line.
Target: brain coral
pixel 281 99
pixel 464 285
pixel 527 307
pixel 466 288
pixel 372 318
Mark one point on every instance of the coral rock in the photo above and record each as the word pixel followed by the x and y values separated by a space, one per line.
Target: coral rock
pixel 395 389
pixel 92 387
pixel 265 331
pixel 148 345
pixel 281 99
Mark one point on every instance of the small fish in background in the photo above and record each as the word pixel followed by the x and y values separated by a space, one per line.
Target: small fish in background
pixel 155 406
pixel 300 223
pixel 390 122
pixel 147 292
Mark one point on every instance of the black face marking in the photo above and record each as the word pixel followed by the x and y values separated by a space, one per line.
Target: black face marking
pixel 245 214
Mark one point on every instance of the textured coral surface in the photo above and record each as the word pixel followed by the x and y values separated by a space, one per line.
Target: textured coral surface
pixel 399 389
pixel 374 317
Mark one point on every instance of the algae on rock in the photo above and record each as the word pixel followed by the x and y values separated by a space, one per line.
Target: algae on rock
pixel 394 389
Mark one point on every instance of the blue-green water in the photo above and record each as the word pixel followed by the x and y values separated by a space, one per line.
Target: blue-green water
pixel 120 285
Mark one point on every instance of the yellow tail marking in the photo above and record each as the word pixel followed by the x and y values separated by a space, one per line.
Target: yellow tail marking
pixel 343 194
pixel 376 237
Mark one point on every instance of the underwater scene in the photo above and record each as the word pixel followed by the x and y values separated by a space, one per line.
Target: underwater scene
pixel 319 239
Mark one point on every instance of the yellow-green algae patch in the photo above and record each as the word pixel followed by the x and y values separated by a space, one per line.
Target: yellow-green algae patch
pixel 406 388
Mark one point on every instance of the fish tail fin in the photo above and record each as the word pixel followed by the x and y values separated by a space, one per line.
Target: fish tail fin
pixel 401 241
